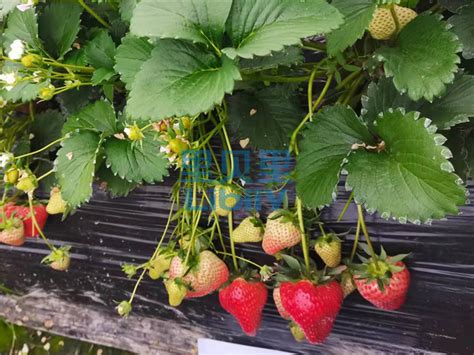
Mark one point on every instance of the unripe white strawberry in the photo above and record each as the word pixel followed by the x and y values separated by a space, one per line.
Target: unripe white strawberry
pixel 383 25
pixel 250 230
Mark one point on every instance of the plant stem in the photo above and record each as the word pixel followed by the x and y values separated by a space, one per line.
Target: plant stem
pixel 94 14
pixel 346 206
pixel 356 240
pixel 232 244
pixel 36 225
pixel 308 116
pixel 45 175
pixel 395 18
pixel 304 242
pixel 42 149
pixel 241 258
pixel 69 66
pixel 366 234
pixel 310 90
pixel 142 275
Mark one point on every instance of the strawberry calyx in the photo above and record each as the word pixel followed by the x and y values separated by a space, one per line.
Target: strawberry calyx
pixel 284 216
pixel 11 222
pixel 295 270
pixel 327 239
pixel 380 268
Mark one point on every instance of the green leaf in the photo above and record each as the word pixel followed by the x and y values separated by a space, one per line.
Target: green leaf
pixel 58 27
pixel 265 116
pixel 142 162
pixel 201 21
pixel 180 79
pixel 101 75
pixel 463 26
pixel 24 91
pixel 100 51
pixel 98 117
pixel 75 166
pixel 455 106
pixel 46 128
pixel 357 14
pixel 259 27
pixel 115 185
pixel 411 178
pixel 126 8
pixel 131 55
pixel 424 58
pixel 23 26
pixel 381 97
pixel 287 57
pixel 327 142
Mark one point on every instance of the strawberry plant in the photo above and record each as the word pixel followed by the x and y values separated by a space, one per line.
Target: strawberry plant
pixel 117 94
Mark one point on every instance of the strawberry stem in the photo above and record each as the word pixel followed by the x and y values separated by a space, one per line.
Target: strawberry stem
pixel 42 149
pixel 395 18
pixel 94 14
pixel 346 206
pixel 36 225
pixel 356 240
pixel 366 234
pixel 304 242
pixel 241 258
pixel 142 275
pixel 232 245
pixel 294 136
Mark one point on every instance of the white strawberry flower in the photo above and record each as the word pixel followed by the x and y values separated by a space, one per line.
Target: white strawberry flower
pixel 8 80
pixel 5 158
pixel 25 6
pixel 17 48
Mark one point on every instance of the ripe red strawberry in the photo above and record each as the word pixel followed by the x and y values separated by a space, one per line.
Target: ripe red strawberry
pixel 280 233
pixel 12 232
pixel 245 301
pixel 206 276
pixel 250 230
pixel 277 299
pixel 394 292
pixel 313 307
pixel 23 212
pixel 328 247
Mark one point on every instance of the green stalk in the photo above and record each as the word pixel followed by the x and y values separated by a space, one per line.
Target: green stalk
pixel 94 14
pixel 42 149
pixel 304 242
pixel 294 136
pixel 366 234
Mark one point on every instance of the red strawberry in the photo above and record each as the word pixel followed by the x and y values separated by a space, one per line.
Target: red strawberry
pixel 23 212
pixel 12 232
pixel 393 294
pixel 245 301
pixel 280 233
pixel 277 299
pixel 313 307
pixel 206 276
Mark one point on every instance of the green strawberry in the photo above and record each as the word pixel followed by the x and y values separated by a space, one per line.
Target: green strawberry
pixel 225 199
pixel 250 230
pixel 328 247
